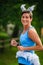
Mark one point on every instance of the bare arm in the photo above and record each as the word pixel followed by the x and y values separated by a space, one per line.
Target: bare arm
pixel 34 36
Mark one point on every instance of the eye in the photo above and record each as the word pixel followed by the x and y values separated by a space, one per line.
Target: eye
pixel 22 16
pixel 27 17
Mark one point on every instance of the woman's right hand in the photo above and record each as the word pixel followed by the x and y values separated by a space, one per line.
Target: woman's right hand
pixel 13 42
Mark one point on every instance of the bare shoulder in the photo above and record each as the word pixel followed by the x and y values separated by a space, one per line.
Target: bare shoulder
pixel 32 33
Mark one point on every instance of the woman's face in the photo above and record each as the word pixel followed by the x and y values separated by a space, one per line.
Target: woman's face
pixel 25 19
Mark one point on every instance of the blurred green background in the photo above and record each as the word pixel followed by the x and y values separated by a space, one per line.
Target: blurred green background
pixel 11 27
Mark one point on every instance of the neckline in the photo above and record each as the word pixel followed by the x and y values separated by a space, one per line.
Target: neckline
pixel 27 30
pixel 24 32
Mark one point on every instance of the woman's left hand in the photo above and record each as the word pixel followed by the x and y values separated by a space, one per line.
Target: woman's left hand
pixel 21 48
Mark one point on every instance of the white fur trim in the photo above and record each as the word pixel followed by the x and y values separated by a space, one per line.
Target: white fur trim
pixel 33 58
pixel 23 7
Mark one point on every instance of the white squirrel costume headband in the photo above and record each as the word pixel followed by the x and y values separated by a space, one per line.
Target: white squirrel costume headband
pixel 29 9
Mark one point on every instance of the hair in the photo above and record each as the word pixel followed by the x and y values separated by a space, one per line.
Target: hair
pixel 31 14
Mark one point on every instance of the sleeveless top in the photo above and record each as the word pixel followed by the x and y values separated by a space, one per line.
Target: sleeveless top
pixel 25 41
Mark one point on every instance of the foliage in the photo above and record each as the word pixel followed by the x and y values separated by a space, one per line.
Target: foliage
pixel 10 11
pixel 3 35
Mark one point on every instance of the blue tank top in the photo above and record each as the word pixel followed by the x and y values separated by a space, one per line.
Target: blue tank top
pixel 26 42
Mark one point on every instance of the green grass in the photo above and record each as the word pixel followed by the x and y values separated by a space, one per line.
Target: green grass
pixel 9 56
pixel 40 54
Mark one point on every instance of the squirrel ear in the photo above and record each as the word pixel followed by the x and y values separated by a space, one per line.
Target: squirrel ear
pixel 31 8
pixel 23 7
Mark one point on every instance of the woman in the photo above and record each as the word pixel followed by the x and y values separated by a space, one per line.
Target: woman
pixel 29 40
